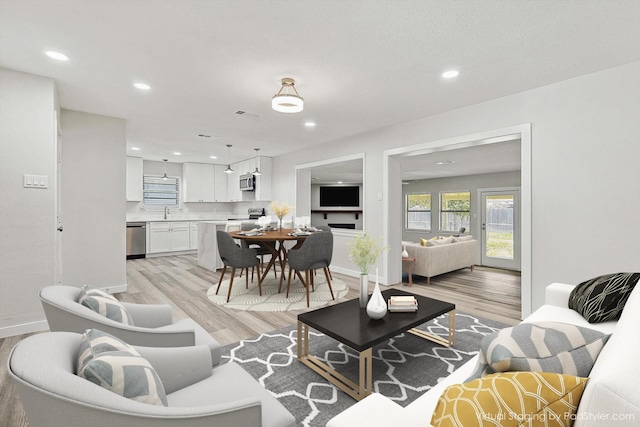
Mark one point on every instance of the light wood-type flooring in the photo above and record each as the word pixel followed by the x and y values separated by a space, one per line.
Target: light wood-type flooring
pixel 180 282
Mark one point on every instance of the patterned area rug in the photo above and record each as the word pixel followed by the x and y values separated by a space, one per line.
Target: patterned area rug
pixel 403 367
pixel 249 299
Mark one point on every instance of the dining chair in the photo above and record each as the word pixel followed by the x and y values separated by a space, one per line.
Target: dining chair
pixel 235 256
pixel 315 253
pixel 260 248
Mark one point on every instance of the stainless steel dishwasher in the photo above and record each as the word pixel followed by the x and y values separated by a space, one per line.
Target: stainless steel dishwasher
pixel 136 240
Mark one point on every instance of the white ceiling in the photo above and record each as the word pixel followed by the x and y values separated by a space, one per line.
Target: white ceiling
pixel 359 64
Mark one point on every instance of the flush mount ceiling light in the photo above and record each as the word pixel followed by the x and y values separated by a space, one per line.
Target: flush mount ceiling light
pixel 57 55
pixel 287 100
pixel 165 177
pixel 228 169
pixel 257 171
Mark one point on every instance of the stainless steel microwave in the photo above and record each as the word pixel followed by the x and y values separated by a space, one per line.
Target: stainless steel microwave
pixel 247 182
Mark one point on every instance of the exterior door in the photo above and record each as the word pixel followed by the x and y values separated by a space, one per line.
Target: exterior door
pixel 500 228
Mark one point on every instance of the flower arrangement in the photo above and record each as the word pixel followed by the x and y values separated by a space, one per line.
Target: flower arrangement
pixel 281 210
pixel 364 251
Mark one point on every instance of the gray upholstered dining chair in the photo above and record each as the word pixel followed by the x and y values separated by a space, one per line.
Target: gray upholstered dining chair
pixel 153 325
pixel 260 248
pixel 316 252
pixel 235 256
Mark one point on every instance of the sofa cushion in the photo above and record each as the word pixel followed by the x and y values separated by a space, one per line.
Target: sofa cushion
pixel 116 366
pixel 104 304
pixel 511 399
pixel 603 298
pixel 542 346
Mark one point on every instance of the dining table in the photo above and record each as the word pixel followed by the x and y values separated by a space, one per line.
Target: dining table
pixel 274 241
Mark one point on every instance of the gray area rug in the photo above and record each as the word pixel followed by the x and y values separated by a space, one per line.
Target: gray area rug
pixel 404 367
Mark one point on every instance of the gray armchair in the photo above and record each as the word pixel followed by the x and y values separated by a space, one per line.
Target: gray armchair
pixel 43 369
pixel 153 324
pixel 235 256
pixel 316 252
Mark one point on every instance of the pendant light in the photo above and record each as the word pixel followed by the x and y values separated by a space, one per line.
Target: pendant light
pixel 257 171
pixel 287 100
pixel 165 177
pixel 228 169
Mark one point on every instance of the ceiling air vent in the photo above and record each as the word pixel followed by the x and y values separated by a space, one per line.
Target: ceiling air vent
pixel 247 114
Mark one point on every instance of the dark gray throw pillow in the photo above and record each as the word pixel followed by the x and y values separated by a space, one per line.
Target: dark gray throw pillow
pixel 602 298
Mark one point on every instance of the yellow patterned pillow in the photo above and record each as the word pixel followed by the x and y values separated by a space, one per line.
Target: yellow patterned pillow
pixel 511 399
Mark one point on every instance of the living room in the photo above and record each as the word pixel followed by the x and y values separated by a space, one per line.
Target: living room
pixel 579 151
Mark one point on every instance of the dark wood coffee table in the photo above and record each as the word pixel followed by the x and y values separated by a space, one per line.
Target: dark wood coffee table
pixel 349 324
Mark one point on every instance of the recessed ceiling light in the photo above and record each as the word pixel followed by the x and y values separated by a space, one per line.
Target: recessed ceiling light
pixel 142 86
pixel 135 148
pixel 57 55
pixel 450 74
pixel 177 154
pixel 445 162
pixel 213 157
pixel 339 182
pixel 309 124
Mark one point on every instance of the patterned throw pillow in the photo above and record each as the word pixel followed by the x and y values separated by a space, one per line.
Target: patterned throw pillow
pixel 462 238
pixel 116 366
pixel 511 399
pixel 104 304
pixel 602 298
pixel 541 346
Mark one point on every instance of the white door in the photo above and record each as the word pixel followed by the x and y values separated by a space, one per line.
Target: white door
pixel 500 228
pixel 58 201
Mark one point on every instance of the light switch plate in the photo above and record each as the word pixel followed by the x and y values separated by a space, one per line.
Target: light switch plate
pixel 35 181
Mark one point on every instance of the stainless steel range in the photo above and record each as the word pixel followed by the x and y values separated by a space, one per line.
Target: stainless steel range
pixel 253 214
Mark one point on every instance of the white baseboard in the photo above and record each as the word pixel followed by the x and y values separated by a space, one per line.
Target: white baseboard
pixel 26 328
pixel 356 273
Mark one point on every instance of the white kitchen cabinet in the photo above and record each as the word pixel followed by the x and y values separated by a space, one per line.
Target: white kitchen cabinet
pixel 263 182
pixel 134 179
pixel 220 190
pixel 233 184
pixel 168 236
pixel 198 182
pixel 193 235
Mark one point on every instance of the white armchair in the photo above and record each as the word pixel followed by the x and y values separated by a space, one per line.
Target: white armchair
pixel 43 368
pixel 153 324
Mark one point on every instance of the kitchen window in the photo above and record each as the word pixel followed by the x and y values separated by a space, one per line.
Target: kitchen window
pixel 160 192
pixel 455 211
pixel 418 211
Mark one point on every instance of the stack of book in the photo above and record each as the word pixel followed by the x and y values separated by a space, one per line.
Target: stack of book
pixel 403 304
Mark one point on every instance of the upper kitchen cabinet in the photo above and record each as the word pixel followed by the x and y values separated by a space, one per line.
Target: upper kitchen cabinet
pixel 199 182
pixel 134 179
pixel 220 193
pixel 263 181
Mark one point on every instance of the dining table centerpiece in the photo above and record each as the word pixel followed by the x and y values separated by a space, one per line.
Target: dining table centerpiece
pixel 363 252
pixel 280 210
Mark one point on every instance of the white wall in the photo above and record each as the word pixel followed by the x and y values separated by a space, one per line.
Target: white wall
pixel 585 157
pixel 27 215
pixel 93 200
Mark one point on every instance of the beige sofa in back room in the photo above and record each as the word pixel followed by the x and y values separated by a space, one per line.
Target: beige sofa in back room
pixel 443 256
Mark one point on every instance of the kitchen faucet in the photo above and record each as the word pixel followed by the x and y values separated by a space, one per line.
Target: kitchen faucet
pixel 166 212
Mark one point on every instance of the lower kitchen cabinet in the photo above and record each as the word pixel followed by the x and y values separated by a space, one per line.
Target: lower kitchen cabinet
pixel 193 235
pixel 168 237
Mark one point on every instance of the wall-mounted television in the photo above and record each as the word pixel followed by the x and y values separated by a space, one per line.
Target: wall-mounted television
pixel 339 196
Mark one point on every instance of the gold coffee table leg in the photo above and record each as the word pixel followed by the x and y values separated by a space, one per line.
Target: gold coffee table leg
pixel 447 342
pixel 357 391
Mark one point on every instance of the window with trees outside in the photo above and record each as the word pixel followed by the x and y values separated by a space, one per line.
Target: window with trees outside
pixel 160 192
pixel 455 211
pixel 418 211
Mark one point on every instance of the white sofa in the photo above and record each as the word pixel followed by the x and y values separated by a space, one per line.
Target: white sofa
pixel 443 258
pixel 611 397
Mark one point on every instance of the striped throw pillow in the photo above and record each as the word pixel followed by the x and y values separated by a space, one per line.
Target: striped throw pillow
pixel 105 305
pixel 540 346
pixel 116 366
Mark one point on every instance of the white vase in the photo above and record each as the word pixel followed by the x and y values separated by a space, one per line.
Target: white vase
pixel 377 306
pixel 364 290
pixel 405 254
